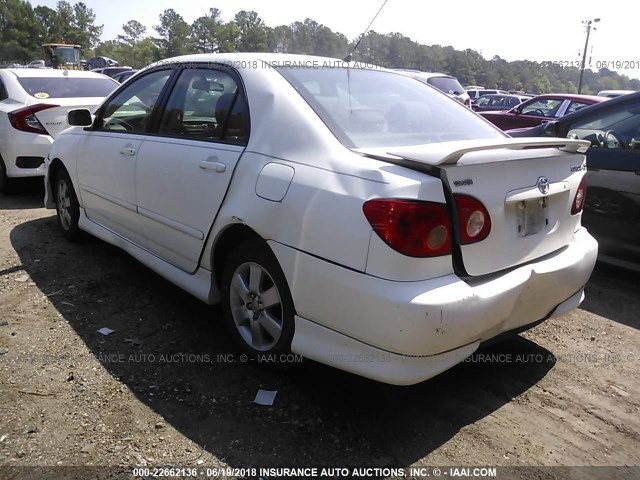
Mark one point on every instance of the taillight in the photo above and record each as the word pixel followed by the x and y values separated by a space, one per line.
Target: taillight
pixel 413 228
pixel 473 219
pixel 24 119
pixel 578 201
pixel 467 102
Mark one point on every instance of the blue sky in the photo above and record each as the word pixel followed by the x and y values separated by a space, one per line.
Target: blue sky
pixel 514 32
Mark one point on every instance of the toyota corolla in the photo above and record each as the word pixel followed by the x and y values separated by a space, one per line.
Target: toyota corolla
pixel 339 211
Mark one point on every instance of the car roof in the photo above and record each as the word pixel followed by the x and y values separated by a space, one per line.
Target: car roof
pixel 51 73
pixel 276 58
pixel 571 96
pixel 423 74
pixel 511 95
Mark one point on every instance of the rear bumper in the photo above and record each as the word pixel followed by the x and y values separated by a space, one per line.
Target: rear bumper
pixel 24 144
pixel 332 348
pixel 343 311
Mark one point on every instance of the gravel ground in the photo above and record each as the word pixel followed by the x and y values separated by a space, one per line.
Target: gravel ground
pixel 167 387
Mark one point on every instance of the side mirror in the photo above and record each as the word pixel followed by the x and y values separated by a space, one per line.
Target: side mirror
pixel 80 117
pixel 550 129
pixel 634 144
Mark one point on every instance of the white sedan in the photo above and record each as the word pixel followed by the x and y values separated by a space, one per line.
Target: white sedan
pixel 33 111
pixel 343 212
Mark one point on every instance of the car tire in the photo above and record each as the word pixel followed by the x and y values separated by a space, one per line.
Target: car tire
pixel 5 182
pixel 67 206
pixel 257 305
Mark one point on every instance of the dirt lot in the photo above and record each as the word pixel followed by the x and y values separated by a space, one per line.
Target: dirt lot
pixel 168 388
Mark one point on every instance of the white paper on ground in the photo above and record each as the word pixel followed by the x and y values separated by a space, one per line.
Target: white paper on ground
pixel 265 397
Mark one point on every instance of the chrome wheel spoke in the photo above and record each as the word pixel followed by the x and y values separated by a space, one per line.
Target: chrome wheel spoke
pixel 239 287
pixel 255 278
pixel 240 315
pixel 270 298
pixel 271 325
pixel 257 336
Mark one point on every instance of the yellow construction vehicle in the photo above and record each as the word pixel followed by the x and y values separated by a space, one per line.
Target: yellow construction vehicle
pixel 62 55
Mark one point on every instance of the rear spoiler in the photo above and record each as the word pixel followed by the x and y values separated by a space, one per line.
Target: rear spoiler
pixel 451 152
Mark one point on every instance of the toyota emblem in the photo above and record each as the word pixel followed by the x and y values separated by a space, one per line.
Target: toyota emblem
pixel 543 185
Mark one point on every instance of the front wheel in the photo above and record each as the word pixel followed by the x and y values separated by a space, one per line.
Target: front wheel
pixel 257 304
pixel 67 206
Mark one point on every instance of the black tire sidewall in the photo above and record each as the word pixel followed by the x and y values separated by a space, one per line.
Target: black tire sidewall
pixel 73 232
pixel 4 180
pixel 257 251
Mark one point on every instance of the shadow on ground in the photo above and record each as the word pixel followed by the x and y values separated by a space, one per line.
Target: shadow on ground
pixel 321 416
pixel 25 193
pixel 607 295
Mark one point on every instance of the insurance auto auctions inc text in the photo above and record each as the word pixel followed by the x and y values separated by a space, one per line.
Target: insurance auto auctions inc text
pixel 376 472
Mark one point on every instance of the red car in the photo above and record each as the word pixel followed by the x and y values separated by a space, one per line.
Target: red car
pixel 540 109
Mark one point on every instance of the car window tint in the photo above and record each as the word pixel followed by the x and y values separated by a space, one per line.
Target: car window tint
pixel 544 107
pixel 446 84
pixel 67 87
pixel 206 104
pixel 130 110
pixel 617 128
pixel 497 101
pixel 575 106
pixel 370 108
pixel 3 92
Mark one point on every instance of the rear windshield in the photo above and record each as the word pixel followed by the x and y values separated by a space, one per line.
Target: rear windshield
pixel 446 84
pixel 65 87
pixel 376 108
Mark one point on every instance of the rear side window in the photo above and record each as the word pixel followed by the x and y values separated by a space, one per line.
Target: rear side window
pixel 67 87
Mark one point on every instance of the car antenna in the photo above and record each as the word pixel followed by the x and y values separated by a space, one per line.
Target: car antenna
pixel 350 55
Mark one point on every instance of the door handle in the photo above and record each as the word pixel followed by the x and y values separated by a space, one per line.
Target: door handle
pixel 128 151
pixel 215 166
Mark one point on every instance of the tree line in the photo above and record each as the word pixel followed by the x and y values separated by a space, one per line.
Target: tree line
pixel 23 29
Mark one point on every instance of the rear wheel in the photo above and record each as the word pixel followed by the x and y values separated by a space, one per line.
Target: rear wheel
pixel 257 304
pixel 67 205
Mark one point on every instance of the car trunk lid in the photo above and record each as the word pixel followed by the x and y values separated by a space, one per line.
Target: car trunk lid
pixel 526 185
pixel 54 119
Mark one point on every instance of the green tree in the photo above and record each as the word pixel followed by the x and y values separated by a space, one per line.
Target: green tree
pixel 174 34
pixel 49 22
pixel 19 40
pixel 205 32
pixel 253 33
pixel 133 32
pixel 86 33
